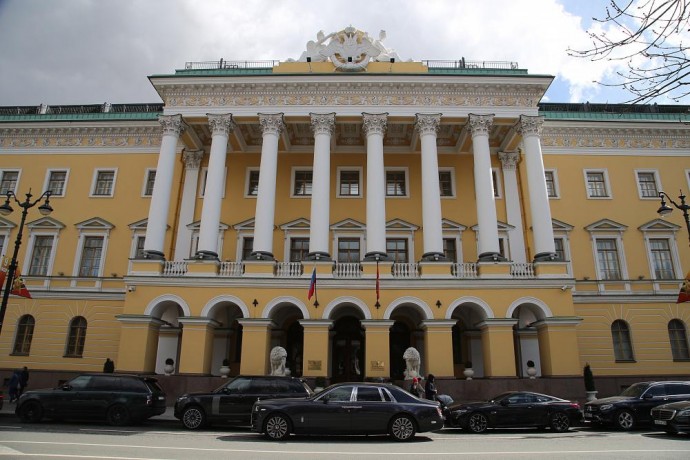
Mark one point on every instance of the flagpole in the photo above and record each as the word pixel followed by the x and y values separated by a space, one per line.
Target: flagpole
pixel 316 290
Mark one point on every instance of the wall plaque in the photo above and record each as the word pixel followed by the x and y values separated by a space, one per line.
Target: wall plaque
pixel 377 366
pixel 314 365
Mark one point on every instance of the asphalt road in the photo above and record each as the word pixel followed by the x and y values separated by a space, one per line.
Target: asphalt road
pixel 165 439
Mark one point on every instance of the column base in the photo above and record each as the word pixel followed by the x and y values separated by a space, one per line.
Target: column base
pixel 154 255
pixel 546 257
pixel 318 255
pixel 434 257
pixel 261 255
pixel 491 257
pixel 206 255
pixel 375 256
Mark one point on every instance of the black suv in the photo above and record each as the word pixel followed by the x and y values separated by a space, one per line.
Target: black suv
pixel 632 407
pixel 232 402
pixel 118 398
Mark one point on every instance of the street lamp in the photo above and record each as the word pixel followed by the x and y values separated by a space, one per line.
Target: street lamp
pixel 5 210
pixel 665 209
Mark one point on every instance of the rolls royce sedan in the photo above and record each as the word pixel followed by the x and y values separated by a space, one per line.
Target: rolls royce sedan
pixel 349 409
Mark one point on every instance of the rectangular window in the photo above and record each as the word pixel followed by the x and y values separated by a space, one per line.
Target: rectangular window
pixel 560 248
pixel 150 180
pixel 104 183
pixel 450 249
pixel 40 256
pixel 139 250
pixel 596 184
pixel 299 248
pixel 56 182
pixel 550 184
pixel 396 248
pixel 253 183
pixel 445 183
pixel 91 256
pixel 349 183
pixel 646 181
pixel 247 247
pixel 8 181
pixel 395 183
pixel 607 255
pixel 348 250
pixel 495 183
pixel 2 248
pixel 661 259
pixel 303 181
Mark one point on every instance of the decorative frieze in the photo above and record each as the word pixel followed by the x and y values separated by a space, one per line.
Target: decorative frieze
pixel 323 123
pixel 427 123
pixel 480 124
pixel 80 137
pixel 374 123
pixel 271 123
pixel 624 139
pixel 221 124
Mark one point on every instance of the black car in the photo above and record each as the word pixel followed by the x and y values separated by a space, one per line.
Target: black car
pixel 118 398
pixel 349 409
pixel 673 417
pixel 232 402
pixel 632 407
pixel 515 409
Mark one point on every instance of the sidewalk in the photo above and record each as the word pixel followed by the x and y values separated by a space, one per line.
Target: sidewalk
pixel 167 417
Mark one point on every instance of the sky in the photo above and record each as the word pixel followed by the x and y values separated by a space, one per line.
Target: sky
pixel 60 52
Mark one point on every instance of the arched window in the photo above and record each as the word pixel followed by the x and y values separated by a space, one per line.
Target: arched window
pixel 622 345
pixel 679 340
pixel 25 332
pixel 76 338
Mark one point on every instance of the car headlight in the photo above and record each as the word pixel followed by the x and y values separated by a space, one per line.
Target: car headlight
pixel 683 413
pixel 605 407
pixel 460 412
pixel 182 398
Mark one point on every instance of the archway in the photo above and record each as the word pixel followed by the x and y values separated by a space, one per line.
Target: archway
pixel 227 337
pixel 169 334
pixel 525 335
pixel 467 338
pixel 289 334
pixel 405 333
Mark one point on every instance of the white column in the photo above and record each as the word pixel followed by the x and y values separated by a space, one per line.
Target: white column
pixel 183 240
pixel 483 188
pixel 428 125
pixel 323 126
pixel 271 125
pixel 542 227
pixel 374 128
pixel 509 161
pixel 221 127
pixel 159 207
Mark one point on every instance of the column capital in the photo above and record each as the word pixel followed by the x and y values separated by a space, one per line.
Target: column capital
pixel 271 123
pixel 172 124
pixel 480 124
pixel 192 158
pixel 530 125
pixel 427 123
pixel 509 160
pixel 323 123
pixel 375 123
pixel 221 123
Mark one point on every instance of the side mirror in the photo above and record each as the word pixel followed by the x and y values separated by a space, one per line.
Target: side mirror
pixel 325 399
pixel 647 396
pixel 226 390
pixel 504 402
pixel 66 387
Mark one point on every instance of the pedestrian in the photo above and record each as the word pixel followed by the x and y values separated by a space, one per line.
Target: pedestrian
pixel 14 385
pixel 23 380
pixel 430 391
pixel 416 389
pixel 108 366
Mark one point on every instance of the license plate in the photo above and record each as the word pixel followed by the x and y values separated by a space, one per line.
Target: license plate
pixel 660 422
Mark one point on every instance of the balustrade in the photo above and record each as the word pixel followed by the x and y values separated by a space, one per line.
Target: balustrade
pixel 347 270
pixel 232 269
pixel 289 269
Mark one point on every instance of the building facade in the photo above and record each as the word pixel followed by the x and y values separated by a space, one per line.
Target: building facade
pixel 439 204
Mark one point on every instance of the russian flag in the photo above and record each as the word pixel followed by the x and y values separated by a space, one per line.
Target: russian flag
pixel 312 285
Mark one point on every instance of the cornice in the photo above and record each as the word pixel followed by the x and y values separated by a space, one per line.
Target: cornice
pixel 71 137
pixel 621 137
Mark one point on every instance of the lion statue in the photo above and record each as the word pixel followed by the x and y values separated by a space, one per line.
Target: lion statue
pixel 412 362
pixel 278 356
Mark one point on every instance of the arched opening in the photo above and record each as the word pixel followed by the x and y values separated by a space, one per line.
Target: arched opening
pixel 467 340
pixel 227 338
pixel 526 339
pixel 347 350
pixel 289 334
pixel 399 342
pixel 405 333
pixel 169 334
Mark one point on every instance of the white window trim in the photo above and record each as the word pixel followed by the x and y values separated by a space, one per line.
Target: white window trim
pixel 340 169
pixel 349 234
pixel 687 177
pixel 566 249
pixel 556 185
pixel 673 247
pixel 657 181
pixel 30 249
pixel 403 235
pixel 47 181
pixel 458 244
pixel 19 176
pixel 289 236
pixel 195 228
pixel 607 183
pixel 296 169
pixel 246 183
pixel 133 246
pixel 452 182
pixel 404 169
pixel 95 179
pixel 597 235
pixel 204 177
pixel 83 233
pixel 146 179
pixel 6 234
pixel 241 237
pixel 496 175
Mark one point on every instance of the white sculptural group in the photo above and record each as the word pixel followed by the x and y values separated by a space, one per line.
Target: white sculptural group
pixel 412 363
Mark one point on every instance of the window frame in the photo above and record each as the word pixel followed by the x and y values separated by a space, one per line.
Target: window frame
pixel 247 182
pixel 30 250
pixel 359 171
pixel 619 353
pixel 497 183
pixel 556 185
pixel 23 334
pixel 94 182
pixel 348 238
pixel 616 241
pixel 294 238
pixel 451 171
pixel 607 184
pixel 685 349
pixel 293 181
pixel 76 333
pixel 144 188
pixel 657 183
pixel 47 181
pixel 82 247
pixel 406 174
pixel 407 247
pixel 16 183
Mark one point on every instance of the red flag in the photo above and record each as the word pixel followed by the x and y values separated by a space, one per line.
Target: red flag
pixel 312 285
pixel 378 284
pixel 684 294
pixel 19 288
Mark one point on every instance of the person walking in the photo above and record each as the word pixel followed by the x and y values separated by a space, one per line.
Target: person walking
pixel 23 380
pixel 14 385
pixel 430 390
pixel 108 366
pixel 416 389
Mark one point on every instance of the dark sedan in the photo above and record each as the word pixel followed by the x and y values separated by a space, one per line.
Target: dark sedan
pixel 349 409
pixel 515 409
pixel 673 417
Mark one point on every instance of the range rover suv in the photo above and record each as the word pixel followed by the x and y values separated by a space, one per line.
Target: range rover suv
pixel 232 402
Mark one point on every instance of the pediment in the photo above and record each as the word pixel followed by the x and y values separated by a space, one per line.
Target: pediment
pixel 399 224
pixel 606 225
pixel 297 224
pixel 245 225
pixel 559 225
pixel 501 226
pixel 47 223
pixel 139 225
pixel 6 224
pixel 348 224
pixel 447 224
pixel 196 225
pixel 95 223
pixel 659 225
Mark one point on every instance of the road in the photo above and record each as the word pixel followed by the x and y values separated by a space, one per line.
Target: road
pixel 170 442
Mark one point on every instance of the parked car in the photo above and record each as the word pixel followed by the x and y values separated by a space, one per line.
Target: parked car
pixel 632 407
pixel 117 398
pixel 673 417
pixel 349 409
pixel 515 409
pixel 231 403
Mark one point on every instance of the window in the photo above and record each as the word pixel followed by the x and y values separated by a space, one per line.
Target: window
pixel 299 248
pixel 551 185
pixel 56 182
pixel 396 183
pixel 349 183
pixel 8 181
pixel 25 332
pixel 559 244
pixel 139 247
pixel 647 184
pixel 607 258
pixel 450 249
pixel 496 182
pixel 150 179
pixel 662 262
pixel 247 247
pixel 76 337
pixel 622 346
pixel 396 248
pixel 204 181
pixel 302 181
pixel 92 251
pixel 3 238
pixel 368 394
pixel 597 184
pixel 679 340
pixel 349 250
pixel 104 183
pixel 40 255
pixel 253 182
pixel 445 183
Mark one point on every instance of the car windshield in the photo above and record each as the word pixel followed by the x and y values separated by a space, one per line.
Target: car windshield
pixel 635 390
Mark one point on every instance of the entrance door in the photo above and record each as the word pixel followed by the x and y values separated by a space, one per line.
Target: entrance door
pixel 348 351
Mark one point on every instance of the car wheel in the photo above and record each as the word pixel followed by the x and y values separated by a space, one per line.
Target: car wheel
pixel 31 412
pixel 477 423
pixel 118 415
pixel 625 420
pixel 560 422
pixel 193 418
pixel 402 428
pixel 277 427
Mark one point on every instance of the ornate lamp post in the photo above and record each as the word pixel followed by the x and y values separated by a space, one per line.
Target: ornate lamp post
pixel 665 209
pixel 5 210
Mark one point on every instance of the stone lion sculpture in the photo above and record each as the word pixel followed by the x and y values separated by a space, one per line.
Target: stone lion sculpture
pixel 278 356
pixel 412 362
